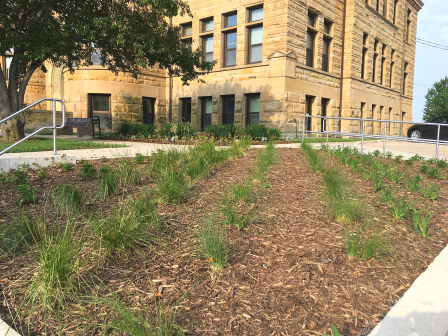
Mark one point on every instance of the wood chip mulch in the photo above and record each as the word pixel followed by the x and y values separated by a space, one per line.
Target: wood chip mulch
pixel 288 273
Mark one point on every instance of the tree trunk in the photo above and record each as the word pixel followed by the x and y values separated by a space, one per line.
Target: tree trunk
pixel 13 129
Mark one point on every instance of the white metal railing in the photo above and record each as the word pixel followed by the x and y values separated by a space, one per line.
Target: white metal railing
pixel 305 127
pixel 54 127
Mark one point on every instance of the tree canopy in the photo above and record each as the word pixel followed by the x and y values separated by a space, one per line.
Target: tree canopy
pixel 436 100
pixel 131 34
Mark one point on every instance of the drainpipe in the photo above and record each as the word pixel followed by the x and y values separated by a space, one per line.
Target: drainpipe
pixel 342 62
pixel 170 93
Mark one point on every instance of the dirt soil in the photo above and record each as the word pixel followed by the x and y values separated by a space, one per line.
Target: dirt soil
pixel 288 273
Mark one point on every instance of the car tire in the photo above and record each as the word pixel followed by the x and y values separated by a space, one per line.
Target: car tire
pixel 416 134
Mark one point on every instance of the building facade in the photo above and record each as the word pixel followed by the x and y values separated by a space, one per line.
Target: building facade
pixel 275 61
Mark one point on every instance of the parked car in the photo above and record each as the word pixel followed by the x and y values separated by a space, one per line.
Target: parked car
pixel 425 131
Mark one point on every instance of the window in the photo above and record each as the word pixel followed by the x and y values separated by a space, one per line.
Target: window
pixel 253 109
pixel 187 29
pixel 99 105
pixel 375 61
pixel 408 26
pixel 325 105
pixel 312 18
pixel 384 7
pixel 255 44
pixel 255 14
pixel 186 109
pixel 394 19
pixel 310 37
pixel 309 101
pixel 326 54
pixel 206 109
pixel 230 48
pixel 405 79
pixel 327 27
pixel 377 5
pixel 207 48
pixel 207 25
pixel 392 68
pixel 327 39
pixel 230 20
pixel 148 110
pixel 365 40
pixel 228 110
pixel 383 62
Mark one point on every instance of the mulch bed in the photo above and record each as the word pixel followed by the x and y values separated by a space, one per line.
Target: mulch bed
pixel 287 275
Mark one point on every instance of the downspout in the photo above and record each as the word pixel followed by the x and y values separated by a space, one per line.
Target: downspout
pixel 170 93
pixel 342 63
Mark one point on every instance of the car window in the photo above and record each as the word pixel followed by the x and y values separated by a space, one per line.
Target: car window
pixel 440 120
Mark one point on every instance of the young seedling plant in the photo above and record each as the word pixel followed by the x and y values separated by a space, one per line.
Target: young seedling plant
pixel 421 221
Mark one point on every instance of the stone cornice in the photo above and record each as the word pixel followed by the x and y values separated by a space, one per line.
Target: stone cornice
pixel 417 4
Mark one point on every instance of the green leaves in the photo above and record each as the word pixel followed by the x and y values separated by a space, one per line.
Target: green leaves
pixel 436 100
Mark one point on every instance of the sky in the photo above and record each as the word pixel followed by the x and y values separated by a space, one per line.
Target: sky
pixel 431 64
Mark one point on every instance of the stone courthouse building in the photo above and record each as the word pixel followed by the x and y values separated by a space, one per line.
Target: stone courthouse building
pixel 275 61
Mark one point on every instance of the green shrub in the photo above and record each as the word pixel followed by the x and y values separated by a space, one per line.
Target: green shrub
pixel 258 132
pixel 223 131
pixel 42 173
pixel 67 167
pixel 68 197
pixel 442 164
pixel 20 176
pixel 88 171
pixel 5 178
pixel 434 173
pixel 166 131
pixel 139 158
pixel 27 194
pixel 139 130
pixel 185 131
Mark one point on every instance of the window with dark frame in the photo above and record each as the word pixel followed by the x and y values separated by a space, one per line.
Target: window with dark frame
pixel 207 25
pixel 394 18
pixel 327 40
pixel 383 62
pixel 255 14
pixel 207 48
pixel 377 5
pixel 309 101
pixel 186 110
pixel 310 39
pixel 230 48
pixel 405 79
pixel 253 109
pixel 230 19
pixel 187 29
pixel 206 112
pixel 228 110
pixel 384 8
pixel 365 40
pixel 392 68
pixel 375 61
pixel 408 26
pixel 148 105
pixel 255 44
pixel 255 35
pixel 325 105
pixel 99 105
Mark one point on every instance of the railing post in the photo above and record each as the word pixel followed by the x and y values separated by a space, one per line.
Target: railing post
pixel 55 149
pixel 298 127
pixel 437 143
pixel 303 128
pixel 326 127
pixel 362 135
pixel 384 141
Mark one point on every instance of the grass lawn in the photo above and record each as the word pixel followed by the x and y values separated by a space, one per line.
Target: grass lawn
pixel 39 145
pixel 322 140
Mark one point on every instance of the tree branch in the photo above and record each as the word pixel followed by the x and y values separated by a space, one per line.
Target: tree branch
pixel 24 83
pixel 39 14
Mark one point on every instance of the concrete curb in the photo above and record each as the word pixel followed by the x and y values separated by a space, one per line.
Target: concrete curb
pixel 423 309
pixel 6 330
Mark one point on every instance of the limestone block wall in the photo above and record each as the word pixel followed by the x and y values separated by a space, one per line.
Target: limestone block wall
pixel 39 118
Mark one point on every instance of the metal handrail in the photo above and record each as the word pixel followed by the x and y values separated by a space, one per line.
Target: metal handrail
pixel 325 130
pixel 54 127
